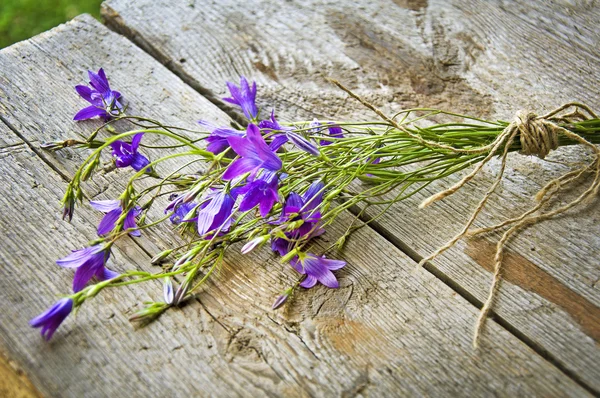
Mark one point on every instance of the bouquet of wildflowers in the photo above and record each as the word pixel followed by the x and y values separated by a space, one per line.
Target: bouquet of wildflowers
pixel 281 184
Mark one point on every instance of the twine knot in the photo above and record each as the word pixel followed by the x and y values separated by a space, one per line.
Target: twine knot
pixel 538 136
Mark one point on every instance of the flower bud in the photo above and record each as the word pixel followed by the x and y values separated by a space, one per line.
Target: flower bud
pixel 282 298
pixel 168 291
pixel 251 245
pixel 160 256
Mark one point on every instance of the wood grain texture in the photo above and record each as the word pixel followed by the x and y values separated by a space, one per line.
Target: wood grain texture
pixel 485 58
pixel 13 382
pixel 385 331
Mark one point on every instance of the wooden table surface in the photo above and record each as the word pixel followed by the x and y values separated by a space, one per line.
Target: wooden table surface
pixel 387 330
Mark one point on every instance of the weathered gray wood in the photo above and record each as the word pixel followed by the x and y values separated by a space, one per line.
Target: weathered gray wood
pixel 485 58
pixel 384 331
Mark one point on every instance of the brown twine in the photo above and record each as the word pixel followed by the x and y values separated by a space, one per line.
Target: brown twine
pixel 538 136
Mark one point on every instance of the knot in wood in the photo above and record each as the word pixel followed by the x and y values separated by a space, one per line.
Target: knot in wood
pixel 538 136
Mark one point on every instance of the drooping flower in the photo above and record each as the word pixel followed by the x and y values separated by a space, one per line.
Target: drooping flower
pixel 263 192
pixel 317 268
pixel 105 102
pixel 51 319
pixel 335 132
pixel 126 154
pixel 254 154
pixel 113 211
pixel 217 140
pixel 244 96
pixel 286 134
pixel 215 214
pixel 89 262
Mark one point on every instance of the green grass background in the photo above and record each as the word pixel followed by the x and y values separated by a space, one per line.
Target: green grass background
pixel 22 19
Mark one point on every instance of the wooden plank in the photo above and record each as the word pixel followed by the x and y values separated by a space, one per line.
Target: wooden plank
pixel 478 57
pixel 13 383
pixel 385 331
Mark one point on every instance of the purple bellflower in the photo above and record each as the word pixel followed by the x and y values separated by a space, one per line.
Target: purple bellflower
pixel 215 214
pixel 50 320
pixel 89 262
pixel 262 192
pixel 217 140
pixel 335 132
pixel 254 154
pixel 126 154
pixel 113 211
pixel 244 96
pixel 304 207
pixel 317 269
pixel 287 135
pixel 105 102
pixel 300 208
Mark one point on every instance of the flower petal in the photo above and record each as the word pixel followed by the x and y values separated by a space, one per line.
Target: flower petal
pixel 105 205
pixel 107 224
pixel 139 161
pixel 79 257
pixel 135 142
pixel 99 81
pixel 303 143
pixel 104 274
pixel 308 282
pixel 89 113
pixel 316 267
pixel 131 223
pixel 86 93
pixel 83 276
pixel 239 167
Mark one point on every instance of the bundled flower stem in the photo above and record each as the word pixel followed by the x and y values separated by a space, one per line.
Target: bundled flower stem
pixel 284 184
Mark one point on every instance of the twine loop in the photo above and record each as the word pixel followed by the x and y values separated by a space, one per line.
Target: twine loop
pixel 538 135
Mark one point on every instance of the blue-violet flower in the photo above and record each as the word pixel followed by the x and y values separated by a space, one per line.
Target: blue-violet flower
pixel 105 102
pixel 113 211
pixel 89 262
pixel 126 154
pixel 216 212
pixel 335 132
pixel 316 269
pixel 217 140
pixel 50 320
pixel 254 154
pixel 263 192
pixel 244 97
